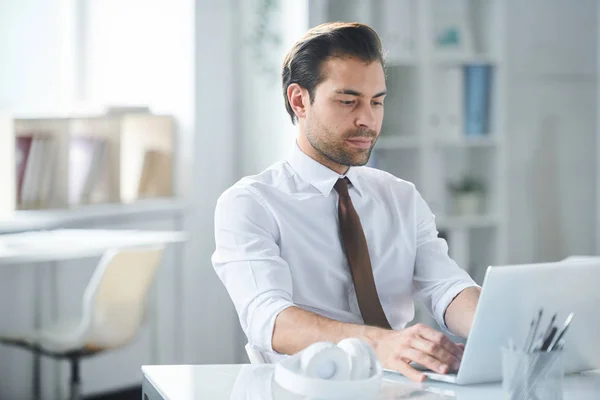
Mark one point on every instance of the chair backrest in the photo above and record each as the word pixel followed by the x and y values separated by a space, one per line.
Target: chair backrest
pixel 254 355
pixel 114 301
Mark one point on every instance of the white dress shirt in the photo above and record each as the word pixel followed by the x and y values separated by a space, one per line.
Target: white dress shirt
pixel 278 245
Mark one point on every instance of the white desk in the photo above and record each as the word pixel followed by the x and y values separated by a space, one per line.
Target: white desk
pixel 68 244
pixel 29 220
pixel 245 382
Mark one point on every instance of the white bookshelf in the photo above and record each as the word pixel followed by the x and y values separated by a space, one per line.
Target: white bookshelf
pixel 422 138
pixel 135 161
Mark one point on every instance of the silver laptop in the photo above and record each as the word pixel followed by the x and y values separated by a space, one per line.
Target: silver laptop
pixel 511 296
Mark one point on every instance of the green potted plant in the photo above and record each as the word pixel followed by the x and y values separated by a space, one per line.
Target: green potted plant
pixel 468 195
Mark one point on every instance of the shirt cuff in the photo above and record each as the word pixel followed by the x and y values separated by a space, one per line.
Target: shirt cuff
pixel 444 302
pixel 262 321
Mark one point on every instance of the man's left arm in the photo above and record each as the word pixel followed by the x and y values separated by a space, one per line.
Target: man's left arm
pixel 459 314
pixel 446 289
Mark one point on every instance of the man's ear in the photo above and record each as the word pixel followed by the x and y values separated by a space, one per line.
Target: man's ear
pixel 298 98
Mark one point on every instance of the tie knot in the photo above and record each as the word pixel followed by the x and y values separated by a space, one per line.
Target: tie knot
pixel 341 186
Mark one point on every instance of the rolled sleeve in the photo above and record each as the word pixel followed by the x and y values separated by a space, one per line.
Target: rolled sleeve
pixel 437 278
pixel 248 262
pixel 262 314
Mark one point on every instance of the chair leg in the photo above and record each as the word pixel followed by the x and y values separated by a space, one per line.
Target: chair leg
pixel 75 384
pixel 37 376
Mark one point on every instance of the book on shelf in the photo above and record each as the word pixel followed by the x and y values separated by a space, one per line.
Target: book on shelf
pixel 34 164
pixel 87 162
pixel 8 194
pixel 156 176
pixel 66 162
pixel 478 86
pixel 22 150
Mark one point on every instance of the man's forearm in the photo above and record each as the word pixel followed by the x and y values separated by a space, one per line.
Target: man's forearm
pixel 295 329
pixel 461 311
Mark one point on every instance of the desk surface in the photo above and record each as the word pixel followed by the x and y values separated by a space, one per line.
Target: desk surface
pixel 66 244
pixel 29 220
pixel 183 382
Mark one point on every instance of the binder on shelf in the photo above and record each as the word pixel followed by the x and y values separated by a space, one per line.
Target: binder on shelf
pixel 448 118
pixel 478 84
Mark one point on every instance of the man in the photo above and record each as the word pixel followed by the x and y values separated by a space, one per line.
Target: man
pixel 319 248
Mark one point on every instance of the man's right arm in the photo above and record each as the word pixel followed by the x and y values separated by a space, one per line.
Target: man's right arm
pixel 296 329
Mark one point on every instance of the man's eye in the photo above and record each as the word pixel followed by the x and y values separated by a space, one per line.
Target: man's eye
pixel 347 102
pixel 378 103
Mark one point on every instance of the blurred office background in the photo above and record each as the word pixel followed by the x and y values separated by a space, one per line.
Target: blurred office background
pixel 132 114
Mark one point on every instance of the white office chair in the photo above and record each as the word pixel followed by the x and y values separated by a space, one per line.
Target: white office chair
pixel 254 355
pixel 114 304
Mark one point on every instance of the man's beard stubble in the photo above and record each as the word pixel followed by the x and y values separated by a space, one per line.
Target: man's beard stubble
pixel 335 152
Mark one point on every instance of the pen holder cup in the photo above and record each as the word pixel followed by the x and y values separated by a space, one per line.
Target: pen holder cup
pixel 532 376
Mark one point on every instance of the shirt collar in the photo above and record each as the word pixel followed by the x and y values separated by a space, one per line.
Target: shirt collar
pixel 318 175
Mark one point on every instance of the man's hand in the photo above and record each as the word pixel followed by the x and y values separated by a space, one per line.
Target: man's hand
pixel 421 344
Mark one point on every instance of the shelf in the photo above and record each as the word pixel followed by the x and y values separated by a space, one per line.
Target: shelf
pixel 463 59
pixel 402 60
pixel 63 162
pixel 465 222
pixel 467 141
pixel 397 142
pixel 20 221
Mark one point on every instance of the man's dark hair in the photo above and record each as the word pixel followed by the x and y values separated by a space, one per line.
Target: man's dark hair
pixel 302 65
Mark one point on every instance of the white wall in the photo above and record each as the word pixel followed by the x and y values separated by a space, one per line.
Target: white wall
pixel 552 47
pixel 210 325
pixel 141 52
pixel 35 56
pixel 241 128
pixel 265 132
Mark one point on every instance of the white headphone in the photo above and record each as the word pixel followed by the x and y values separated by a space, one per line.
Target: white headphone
pixel 350 359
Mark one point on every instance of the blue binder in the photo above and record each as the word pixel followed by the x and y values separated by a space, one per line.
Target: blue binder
pixel 478 85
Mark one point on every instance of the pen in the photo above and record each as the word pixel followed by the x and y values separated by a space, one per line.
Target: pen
pixel 548 339
pixel 562 332
pixel 550 326
pixel 535 328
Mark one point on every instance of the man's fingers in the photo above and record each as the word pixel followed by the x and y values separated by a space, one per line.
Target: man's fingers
pixel 426 360
pixel 439 338
pixel 437 352
pixel 409 372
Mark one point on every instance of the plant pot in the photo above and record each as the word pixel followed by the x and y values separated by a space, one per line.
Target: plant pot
pixel 468 203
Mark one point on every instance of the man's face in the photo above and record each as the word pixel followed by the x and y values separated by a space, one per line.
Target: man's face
pixel 345 119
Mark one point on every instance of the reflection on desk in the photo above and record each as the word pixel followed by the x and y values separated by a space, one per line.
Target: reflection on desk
pixel 249 382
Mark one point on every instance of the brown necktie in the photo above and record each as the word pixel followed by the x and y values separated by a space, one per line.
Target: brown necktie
pixel 357 252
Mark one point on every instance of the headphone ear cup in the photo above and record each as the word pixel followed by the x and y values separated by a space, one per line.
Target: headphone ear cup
pixel 362 357
pixel 325 360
